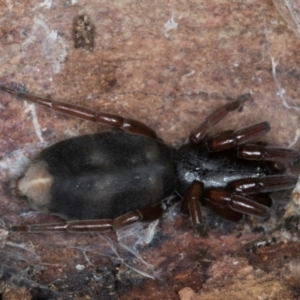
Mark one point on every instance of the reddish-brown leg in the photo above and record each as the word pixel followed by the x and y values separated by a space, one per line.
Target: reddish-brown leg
pixel 276 166
pixel 229 139
pixel 199 133
pixel 267 153
pixel 224 212
pixel 68 226
pixel 147 214
pixel 116 121
pixel 263 199
pixel 191 203
pixel 265 184
pixel 236 202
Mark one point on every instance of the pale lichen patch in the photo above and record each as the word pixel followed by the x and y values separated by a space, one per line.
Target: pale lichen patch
pixel 36 185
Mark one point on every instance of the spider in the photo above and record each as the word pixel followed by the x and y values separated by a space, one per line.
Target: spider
pixel 108 180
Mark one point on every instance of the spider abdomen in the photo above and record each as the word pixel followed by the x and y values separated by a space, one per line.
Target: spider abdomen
pixel 104 175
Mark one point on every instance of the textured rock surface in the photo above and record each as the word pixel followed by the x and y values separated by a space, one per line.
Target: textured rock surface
pixel 168 64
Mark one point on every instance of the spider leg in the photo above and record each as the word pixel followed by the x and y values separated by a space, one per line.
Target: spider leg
pixel 191 203
pixel 199 133
pixel 147 214
pixel 263 199
pixel 77 111
pixel 102 225
pixel 235 202
pixel 264 184
pixel 224 212
pixel 267 153
pixel 229 139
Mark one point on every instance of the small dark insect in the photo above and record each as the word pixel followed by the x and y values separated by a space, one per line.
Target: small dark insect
pixel 108 180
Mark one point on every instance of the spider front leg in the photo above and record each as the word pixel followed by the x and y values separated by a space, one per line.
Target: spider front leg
pixel 229 206
pixel 236 202
pixel 229 139
pixel 200 132
pixel 266 184
pixel 191 205
pixel 267 153
pixel 77 111
pixel 224 212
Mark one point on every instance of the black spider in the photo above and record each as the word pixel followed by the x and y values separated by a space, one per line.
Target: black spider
pixel 109 180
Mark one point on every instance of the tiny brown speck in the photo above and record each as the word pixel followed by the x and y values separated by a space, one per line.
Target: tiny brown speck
pixel 83 33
